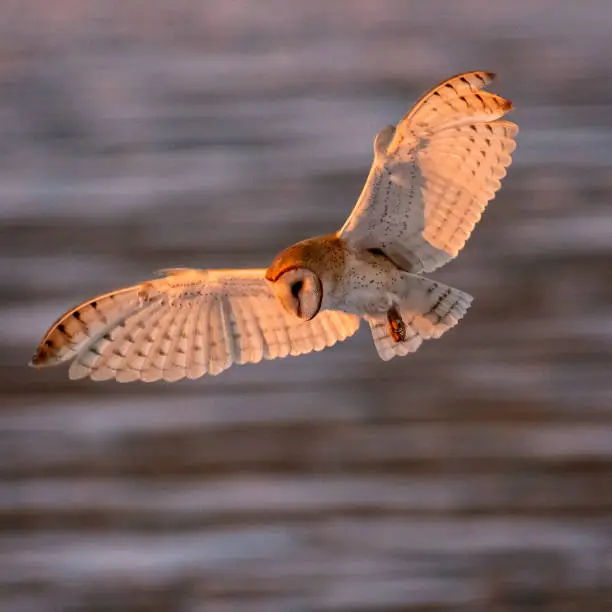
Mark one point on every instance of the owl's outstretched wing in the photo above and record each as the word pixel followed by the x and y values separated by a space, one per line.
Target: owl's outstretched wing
pixel 190 323
pixel 433 175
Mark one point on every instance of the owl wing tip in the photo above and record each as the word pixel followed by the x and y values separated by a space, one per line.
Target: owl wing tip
pixel 38 360
pixel 483 77
pixel 44 356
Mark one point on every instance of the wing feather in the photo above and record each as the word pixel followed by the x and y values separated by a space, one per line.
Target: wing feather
pixel 253 341
pixel 190 323
pixel 201 346
pixel 174 364
pixel 144 324
pixel 282 336
pixel 93 356
pixel 219 353
pixel 153 366
pixel 434 174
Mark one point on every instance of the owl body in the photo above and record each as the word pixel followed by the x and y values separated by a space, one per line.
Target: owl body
pixel 371 284
pixel 354 281
pixel 431 179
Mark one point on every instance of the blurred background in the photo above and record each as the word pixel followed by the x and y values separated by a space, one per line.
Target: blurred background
pixel 475 475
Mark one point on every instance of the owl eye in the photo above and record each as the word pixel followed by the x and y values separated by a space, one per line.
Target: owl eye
pixel 296 288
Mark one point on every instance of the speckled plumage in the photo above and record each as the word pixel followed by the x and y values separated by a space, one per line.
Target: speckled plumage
pixel 430 181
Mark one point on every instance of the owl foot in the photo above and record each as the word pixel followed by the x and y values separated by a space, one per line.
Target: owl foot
pixel 397 327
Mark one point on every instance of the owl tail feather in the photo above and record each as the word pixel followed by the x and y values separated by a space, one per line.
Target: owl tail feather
pixel 429 310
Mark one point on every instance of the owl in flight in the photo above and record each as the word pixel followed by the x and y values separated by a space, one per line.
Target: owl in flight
pixel 430 181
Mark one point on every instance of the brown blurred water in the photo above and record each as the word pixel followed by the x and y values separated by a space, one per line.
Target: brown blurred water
pixel 474 475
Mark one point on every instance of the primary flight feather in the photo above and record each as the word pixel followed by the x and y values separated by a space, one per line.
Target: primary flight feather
pixel 432 177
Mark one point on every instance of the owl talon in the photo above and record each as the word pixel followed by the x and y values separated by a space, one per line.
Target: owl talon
pixel 397 327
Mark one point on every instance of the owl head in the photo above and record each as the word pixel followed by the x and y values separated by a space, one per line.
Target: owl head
pixel 298 276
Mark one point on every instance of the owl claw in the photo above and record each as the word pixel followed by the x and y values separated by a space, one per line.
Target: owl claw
pixel 397 327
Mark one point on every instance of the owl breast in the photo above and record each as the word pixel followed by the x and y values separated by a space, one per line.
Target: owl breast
pixel 368 285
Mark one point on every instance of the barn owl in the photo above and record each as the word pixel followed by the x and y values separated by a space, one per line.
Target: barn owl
pixel 432 177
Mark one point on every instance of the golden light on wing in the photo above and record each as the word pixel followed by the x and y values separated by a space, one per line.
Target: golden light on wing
pixel 453 102
pixel 434 174
pixel 461 169
pixel 76 327
pixel 188 324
